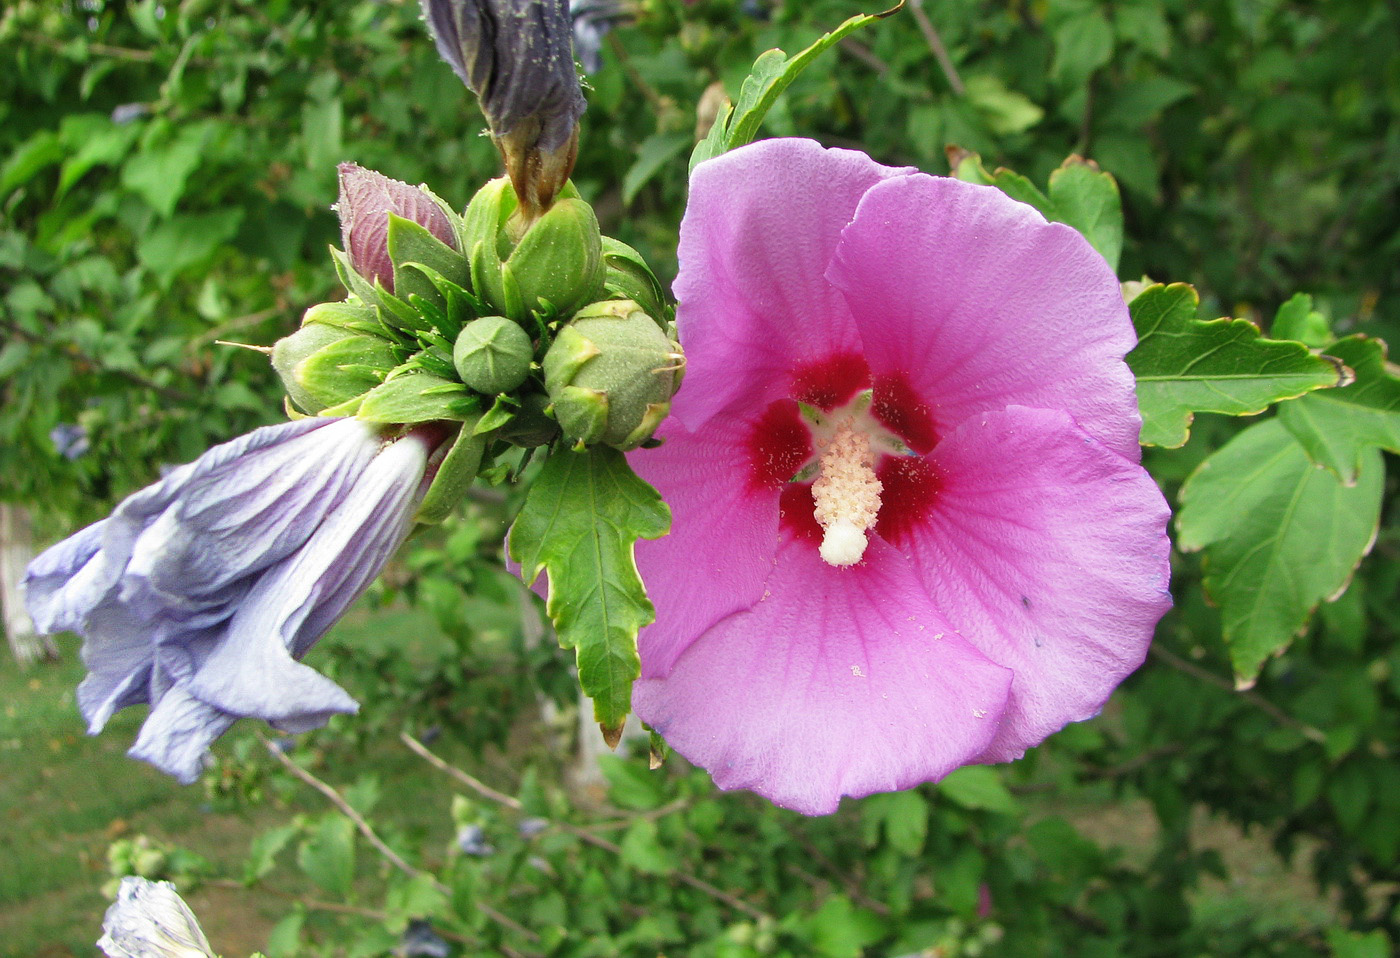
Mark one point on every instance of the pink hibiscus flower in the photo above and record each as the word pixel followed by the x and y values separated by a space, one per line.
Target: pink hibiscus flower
pixel 911 531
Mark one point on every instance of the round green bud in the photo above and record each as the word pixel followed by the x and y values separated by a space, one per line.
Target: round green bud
pixel 493 355
pixel 611 373
pixel 324 365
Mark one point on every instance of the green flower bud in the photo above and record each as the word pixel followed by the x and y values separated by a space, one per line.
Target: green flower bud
pixel 328 362
pixel 611 373
pixel 493 355
pixel 559 259
pixel 629 277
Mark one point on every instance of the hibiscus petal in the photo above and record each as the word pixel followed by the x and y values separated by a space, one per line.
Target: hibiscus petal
pixel 178 733
pixel 842 682
pixel 65 582
pixel 236 520
pixel 759 229
pixel 722 541
pixel 980 304
pixel 1049 551
pixel 253 670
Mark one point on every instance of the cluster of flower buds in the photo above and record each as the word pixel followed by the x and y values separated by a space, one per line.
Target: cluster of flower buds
pixel 512 332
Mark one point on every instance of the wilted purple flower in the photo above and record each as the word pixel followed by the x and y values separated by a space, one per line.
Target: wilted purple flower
pixel 366 200
pixel 150 920
pixel 515 55
pixel 199 594
pixel 70 439
pixel 128 112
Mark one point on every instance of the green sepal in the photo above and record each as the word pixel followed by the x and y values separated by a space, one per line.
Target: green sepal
pixel 559 260
pixel 455 474
pixel 582 413
pixel 322 365
pixel 1185 365
pixel 353 282
pixel 580 521
pixel 412 243
pixel 355 317
pixel 533 425
pixel 418 397
pixel 500 415
pixel 399 314
pixel 628 277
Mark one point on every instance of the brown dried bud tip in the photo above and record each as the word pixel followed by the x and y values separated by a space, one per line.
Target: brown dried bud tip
pixel 366 200
pixel 517 57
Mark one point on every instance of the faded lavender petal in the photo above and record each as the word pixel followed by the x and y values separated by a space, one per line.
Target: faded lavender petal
pixel 910 528
pixel 199 594
pixel 592 20
pixel 150 920
pixel 366 200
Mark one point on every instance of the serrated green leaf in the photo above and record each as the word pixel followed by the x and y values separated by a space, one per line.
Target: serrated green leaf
pixel 770 75
pixel 580 520
pixel 1280 535
pixel 1338 426
pixel 1087 198
pixel 418 397
pixel 328 856
pixel 1185 365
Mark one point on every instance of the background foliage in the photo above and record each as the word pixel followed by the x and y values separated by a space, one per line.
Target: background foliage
pixel 166 172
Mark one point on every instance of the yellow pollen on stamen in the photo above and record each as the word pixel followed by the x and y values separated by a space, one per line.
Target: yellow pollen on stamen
pixel 847 496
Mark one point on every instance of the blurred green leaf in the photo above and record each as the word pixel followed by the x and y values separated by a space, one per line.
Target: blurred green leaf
pixel 328 856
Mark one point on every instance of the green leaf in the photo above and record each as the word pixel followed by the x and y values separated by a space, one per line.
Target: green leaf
pixel 186 241
pixel 410 242
pixel 978 787
pixel 1280 535
pixel 643 850
pixel 1087 198
pixel 35 154
pixel 417 897
pixel 655 152
pixel 418 397
pixel 328 856
pixel 771 74
pixel 158 173
pixel 580 520
pixel 1185 365
pixel 904 817
pixel 262 857
pixel 1338 426
pixel 1004 110
pixel 1083 43
pixel 1296 319
pixel 1354 944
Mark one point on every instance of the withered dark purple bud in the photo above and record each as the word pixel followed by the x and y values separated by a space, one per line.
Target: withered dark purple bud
pixel 517 57
pixel 366 200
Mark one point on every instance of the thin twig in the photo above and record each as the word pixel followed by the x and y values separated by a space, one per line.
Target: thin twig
pixel 373 838
pixel 582 834
pixel 935 43
pixel 239 322
pixel 1309 732
pixel 658 102
pixel 864 54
